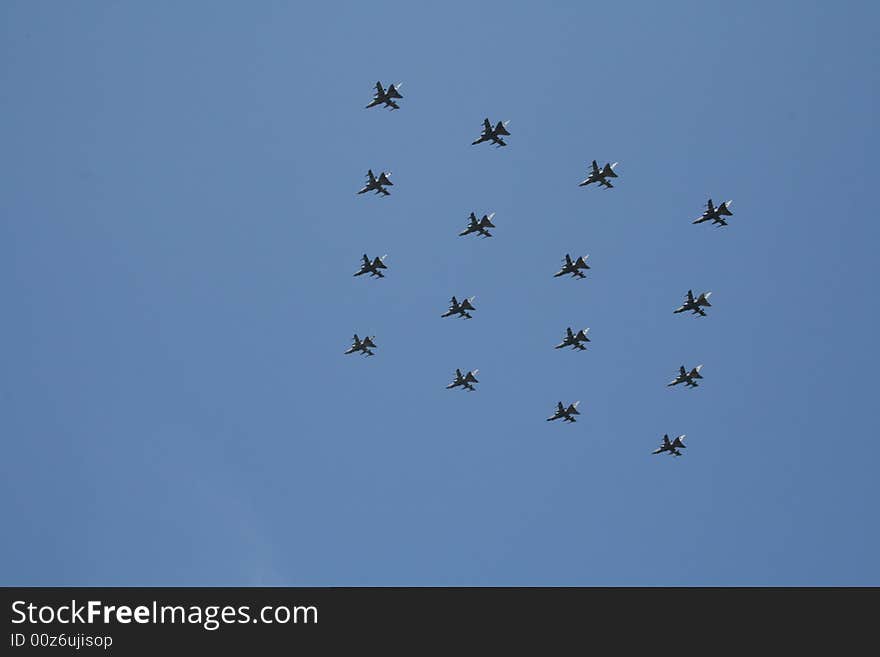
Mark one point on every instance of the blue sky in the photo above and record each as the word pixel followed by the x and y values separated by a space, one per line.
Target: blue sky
pixel 179 229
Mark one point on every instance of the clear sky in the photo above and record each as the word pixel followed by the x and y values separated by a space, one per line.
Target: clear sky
pixel 179 228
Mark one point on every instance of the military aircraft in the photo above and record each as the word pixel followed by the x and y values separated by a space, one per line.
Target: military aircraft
pixel 480 226
pixel 464 380
pixel 600 175
pixel 671 447
pixel 565 413
pixel 694 304
pixel 362 345
pixel 461 309
pixel 715 215
pixel 372 268
pixel 573 267
pixel 686 377
pixel 493 134
pixel 387 97
pixel 377 185
pixel 573 339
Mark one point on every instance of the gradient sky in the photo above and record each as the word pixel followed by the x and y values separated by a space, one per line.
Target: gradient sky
pixel 180 228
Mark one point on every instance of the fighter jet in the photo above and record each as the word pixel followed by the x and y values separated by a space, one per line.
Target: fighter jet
pixel 372 268
pixel 671 447
pixel 377 185
pixel 565 413
pixel 461 309
pixel 362 346
pixel 464 380
pixel 694 304
pixel 715 215
pixel 600 175
pixel 686 377
pixel 480 226
pixel 387 97
pixel 493 134
pixel 573 268
pixel 574 340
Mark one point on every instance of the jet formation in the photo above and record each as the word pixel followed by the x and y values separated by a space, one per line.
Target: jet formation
pixel 573 267
pixel 382 96
pixel 715 215
pixel 574 340
pixel 466 381
pixel 600 176
pixel 377 185
pixel 671 447
pixel 694 305
pixel 372 267
pixel 362 346
pixel 493 134
pixel 460 309
pixel 566 414
pixel 687 378
pixel 480 226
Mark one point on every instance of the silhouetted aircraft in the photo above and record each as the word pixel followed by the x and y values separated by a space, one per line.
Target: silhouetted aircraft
pixel 377 185
pixel 493 134
pixel 381 96
pixel 464 380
